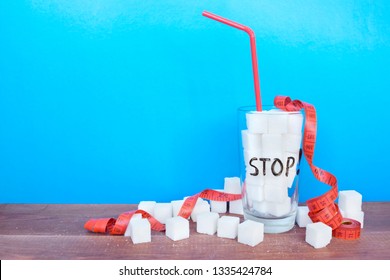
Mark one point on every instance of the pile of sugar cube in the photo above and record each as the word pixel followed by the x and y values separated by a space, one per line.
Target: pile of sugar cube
pixel 206 215
pixel 271 146
pixel 318 234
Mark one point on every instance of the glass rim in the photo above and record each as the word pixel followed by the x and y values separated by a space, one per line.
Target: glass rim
pixel 252 108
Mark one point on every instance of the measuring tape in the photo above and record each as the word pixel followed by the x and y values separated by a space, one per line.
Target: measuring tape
pixel 322 208
pixel 118 226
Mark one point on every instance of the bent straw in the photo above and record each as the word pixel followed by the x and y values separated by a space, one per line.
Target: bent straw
pixel 253 51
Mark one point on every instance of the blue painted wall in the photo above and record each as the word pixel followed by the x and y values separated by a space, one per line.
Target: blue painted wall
pixel 122 101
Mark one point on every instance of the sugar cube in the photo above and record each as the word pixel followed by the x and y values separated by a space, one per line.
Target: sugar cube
pixel 162 211
pixel 277 121
pixel 292 143
pixel 147 206
pixel 177 228
pixel 228 227
pixel 250 233
pixel 350 201
pixel 257 122
pixel 318 234
pixel 272 144
pixel 218 206
pixel 275 193
pixel 207 223
pixel 140 231
pixel 251 141
pixel 279 209
pixel 232 185
pixel 255 192
pixel 176 206
pixel 128 229
pixel 236 207
pixel 200 207
pixel 295 121
pixel 302 217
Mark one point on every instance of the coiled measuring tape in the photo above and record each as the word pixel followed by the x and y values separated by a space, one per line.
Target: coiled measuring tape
pixel 322 208
pixel 118 226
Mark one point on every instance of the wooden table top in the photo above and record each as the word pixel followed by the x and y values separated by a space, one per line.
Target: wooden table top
pixel 55 231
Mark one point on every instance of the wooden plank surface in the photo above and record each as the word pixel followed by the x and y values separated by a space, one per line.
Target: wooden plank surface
pixel 55 231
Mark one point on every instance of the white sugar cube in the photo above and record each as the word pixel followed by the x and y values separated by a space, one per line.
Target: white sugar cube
pixel 255 192
pixel 350 201
pixel 272 145
pixel 277 122
pixel 275 193
pixel 200 207
pixel 177 228
pixel 228 227
pixel 261 206
pixel 292 143
pixel 254 177
pixel 162 211
pixel 176 206
pixel 134 217
pixel 318 234
pixel 140 231
pixel 236 207
pixel 251 141
pixel 250 233
pixel 257 122
pixel 207 223
pixel 302 217
pixel 295 121
pixel 147 206
pixel 232 185
pixel 279 209
pixel 218 206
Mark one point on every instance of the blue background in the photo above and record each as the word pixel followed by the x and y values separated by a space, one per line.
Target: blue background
pixel 122 101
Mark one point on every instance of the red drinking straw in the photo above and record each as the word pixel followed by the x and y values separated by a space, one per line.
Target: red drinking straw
pixel 253 51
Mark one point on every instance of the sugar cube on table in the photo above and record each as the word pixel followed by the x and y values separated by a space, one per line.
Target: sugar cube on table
pixel 177 228
pixel 140 231
pixel 176 206
pixel 207 223
pixel 162 211
pixel 350 201
pixel 228 227
pixel 302 217
pixel 232 185
pixel 250 233
pixel 318 234
pixel 218 206
pixel 147 206
pixel 257 122
pixel 134 217
pixel 200 207
pixel 295 123
pixel 236 207
pixel 277 121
